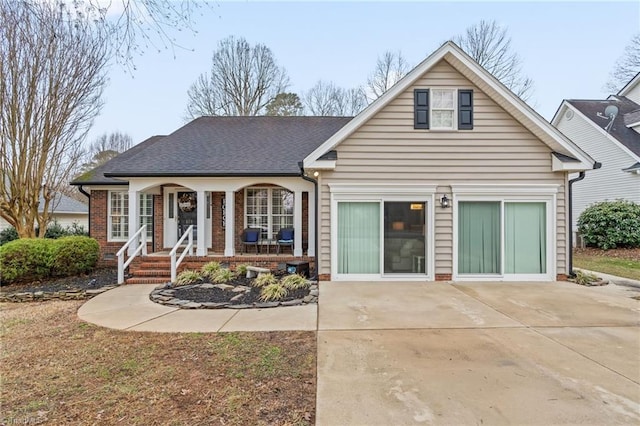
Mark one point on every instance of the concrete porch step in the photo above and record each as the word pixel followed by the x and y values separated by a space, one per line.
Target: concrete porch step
pixel 147 280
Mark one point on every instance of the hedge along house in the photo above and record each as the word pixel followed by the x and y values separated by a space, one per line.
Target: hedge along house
pixel 448 175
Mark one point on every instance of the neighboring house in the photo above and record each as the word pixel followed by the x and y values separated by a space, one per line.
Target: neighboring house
pixel 64 210
pixel 448 175
pixel 609 131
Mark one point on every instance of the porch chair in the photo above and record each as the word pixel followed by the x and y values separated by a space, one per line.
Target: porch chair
pixel 250 237
pixel 284 238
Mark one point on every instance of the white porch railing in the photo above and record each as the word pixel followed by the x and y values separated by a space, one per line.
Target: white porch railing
pixel 174 252
pixel 122 265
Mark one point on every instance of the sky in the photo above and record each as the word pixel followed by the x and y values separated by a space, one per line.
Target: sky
pixel 567 48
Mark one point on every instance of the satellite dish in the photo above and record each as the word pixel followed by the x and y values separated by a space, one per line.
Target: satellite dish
pixel 611 111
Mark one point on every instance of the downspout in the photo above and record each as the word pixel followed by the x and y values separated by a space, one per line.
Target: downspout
pixel 581 176
pixel 316 225
pixel 86 194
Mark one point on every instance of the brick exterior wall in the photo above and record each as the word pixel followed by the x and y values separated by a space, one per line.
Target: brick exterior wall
pixel 443 277
pixel 98 225
pixel 158 221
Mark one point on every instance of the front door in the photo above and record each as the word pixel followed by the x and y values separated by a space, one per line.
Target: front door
pixel 187 213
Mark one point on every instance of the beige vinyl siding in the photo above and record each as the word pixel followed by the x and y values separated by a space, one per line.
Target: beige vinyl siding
pixel 387 149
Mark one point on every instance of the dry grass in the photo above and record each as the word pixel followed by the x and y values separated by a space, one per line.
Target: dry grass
pixel 60 370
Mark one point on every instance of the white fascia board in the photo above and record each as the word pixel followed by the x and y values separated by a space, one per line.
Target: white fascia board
pixel 570 166
pixel 557 117
pixel 630 85
pixel 504 189
pixel 321 165
pixel 632 125
pixel 573 149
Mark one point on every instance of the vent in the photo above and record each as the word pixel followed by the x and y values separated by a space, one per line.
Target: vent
pixel 568 115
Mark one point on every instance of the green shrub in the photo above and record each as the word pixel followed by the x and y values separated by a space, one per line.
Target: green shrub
pixel 74 255
pixel 25 260
pixel 222 276
pixel 294 282
pixel 241 269
pixel 264 280
pixel 209 269
pixel 273 292
pixel 8 234
pixel 188 277
pixel 611 224
pixel 585 278
pixel 76 229
pixel 55 231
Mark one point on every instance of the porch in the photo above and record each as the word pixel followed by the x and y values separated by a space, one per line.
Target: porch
pixel 155 268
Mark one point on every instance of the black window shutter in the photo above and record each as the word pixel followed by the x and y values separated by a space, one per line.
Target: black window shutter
pixel 465 109
pixel 421 108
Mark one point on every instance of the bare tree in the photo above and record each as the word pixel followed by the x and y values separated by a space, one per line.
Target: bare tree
pixel 327 99
pixel 104 148
pixel 390 68
pixel 285 104
pixel 242 81
pixel 626 67
pixel 52 64
pixel 488 43
pixel 137 25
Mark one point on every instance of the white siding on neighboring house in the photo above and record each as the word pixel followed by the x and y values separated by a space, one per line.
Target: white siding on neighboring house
pixel 634 94
pixel 607 183
pixel 388 150
pixel 63 219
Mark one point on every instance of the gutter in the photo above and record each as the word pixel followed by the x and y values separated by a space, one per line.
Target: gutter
pixel 581 176
pixel 317 209
pixel 86 194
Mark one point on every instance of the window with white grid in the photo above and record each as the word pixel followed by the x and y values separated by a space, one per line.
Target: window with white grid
pixel 119 214
pixel 145 210
pixel 443 108
pixel 269 209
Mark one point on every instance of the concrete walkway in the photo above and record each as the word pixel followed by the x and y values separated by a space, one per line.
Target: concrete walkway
pixel 477 353
pixel 128 308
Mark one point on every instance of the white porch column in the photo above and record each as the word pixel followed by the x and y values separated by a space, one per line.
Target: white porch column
pixel 311 224
pixel 134 224
pixel 229 224
pixel 297 224
pixel 202 212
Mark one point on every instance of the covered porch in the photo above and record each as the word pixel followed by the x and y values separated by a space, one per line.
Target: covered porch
pixel 219 208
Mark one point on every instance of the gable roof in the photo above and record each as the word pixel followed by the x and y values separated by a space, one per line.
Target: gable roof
pixel 470 69
pixel 619 132
pixel 228 146
pixel 97 176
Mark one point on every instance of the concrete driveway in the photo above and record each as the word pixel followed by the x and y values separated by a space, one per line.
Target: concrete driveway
pixel 478 353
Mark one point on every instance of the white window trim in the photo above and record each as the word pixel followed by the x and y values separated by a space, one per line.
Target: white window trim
pixel 454 125
pixel 140 216
pixel 110 237
pixel 505 194
pixel 380 193
pixel 269 207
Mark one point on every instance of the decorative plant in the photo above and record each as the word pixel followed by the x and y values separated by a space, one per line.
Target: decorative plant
pixel 241 269
pixel 611 224
pixel 222 275
pixel 585 278
pixel 273 291
pixel 264 280
pixel 210 269
pixel 294 282
pixel 188 277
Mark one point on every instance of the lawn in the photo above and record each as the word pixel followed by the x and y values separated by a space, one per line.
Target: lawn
pixel 621 262
pixel 59 370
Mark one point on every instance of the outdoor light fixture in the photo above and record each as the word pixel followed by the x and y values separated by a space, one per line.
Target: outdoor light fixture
pixel 316 174
pixel 444 201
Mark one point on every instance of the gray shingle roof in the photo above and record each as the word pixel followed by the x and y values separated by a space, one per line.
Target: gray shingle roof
pixel 97 175
pixel 63 204
pixel 627 137
pixel 223 146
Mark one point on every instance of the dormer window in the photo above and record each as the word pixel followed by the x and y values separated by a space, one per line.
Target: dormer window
pixel 443 109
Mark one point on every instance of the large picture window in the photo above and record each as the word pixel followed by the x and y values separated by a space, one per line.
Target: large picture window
pixel 119 214
pixel 269 209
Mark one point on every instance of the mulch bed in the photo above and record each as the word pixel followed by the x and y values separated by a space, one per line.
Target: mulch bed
pixel 620 253
pixel 94 280
pixel 217 295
